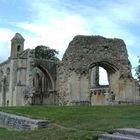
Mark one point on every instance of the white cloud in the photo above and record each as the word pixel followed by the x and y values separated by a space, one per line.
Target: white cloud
pixel 54 23
pixel 57 34
pixel 6 34
pixel 5 37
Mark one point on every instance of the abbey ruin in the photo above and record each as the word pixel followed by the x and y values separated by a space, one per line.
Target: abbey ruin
pixel 25 80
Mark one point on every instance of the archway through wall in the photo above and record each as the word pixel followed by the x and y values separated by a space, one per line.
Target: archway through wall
pixel 48 76
pixel 43 85
pixel 101 88
pixel 98 77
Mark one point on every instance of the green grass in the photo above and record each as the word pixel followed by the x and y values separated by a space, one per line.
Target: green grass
pixel 79 122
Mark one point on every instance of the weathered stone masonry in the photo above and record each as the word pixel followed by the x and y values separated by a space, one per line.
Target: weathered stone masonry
pixel 16 122
pixel 25 80
pixel 82 55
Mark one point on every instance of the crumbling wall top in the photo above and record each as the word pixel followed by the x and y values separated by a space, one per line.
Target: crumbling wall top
pixel 85 51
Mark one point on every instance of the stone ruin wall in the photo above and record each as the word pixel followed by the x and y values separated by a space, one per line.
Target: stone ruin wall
pixel 4 79
pixel 17 78
pixel 21 123
pixel 73 85
pixel 18 89
pixel 85 52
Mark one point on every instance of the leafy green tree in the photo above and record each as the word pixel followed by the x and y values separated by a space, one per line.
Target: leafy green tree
pixel 45 52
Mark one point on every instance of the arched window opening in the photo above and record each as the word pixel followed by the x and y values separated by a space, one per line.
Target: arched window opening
pixel 8 71
pixel 42 85
pixel 1 73
pixel 99 86
pixel 8 74
pixel 103 77
pixel 33 82
pixel 41 81
pixel 7 79
pixel 18 48
pixel 37 82
pixel 1 76
pixel 98 77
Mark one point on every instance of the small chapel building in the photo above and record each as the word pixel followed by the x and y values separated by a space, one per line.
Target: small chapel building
pixel 25 80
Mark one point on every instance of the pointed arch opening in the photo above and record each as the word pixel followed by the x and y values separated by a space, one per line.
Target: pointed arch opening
pixel 100 82
pixel 100 72
pixel 43 85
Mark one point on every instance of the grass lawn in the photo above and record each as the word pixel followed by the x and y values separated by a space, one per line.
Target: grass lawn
pixel 79 122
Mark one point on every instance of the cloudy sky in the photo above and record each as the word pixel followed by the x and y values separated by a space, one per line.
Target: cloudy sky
pixel 55 22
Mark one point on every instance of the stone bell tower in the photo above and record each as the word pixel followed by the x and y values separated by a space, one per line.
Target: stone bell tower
pixel 17 45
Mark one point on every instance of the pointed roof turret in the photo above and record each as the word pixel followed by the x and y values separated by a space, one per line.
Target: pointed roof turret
pixel 18 36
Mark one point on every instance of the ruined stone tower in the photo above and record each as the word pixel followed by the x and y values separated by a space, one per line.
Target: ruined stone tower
pixel 17 45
